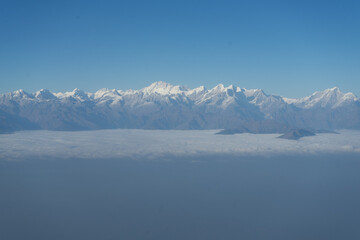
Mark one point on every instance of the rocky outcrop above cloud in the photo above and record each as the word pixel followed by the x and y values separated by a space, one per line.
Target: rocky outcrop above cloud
pixel 164 106
pixel 297 134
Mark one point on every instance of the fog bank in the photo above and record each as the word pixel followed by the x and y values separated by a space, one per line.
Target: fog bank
pixel 152 144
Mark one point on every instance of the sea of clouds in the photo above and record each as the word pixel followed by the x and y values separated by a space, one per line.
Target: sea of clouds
pixel 152 144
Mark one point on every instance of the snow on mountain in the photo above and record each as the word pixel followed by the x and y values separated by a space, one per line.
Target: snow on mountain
pixel 220 96
pixel 195 93
pixel 44 94
pixel 268 104
pixel 164 106
pixel 329 98
pixel 107 96
pixel 163 88
pixel 20 94
pixel 16 95
pixel 77 94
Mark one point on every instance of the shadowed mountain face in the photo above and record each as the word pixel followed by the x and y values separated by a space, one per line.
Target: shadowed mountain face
pixel 163 106
pixel 10 123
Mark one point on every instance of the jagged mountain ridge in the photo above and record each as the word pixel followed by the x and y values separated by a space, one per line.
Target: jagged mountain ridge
pixel 164 106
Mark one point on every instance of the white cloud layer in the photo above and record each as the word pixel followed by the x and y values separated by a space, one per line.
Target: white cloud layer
pixel 152 144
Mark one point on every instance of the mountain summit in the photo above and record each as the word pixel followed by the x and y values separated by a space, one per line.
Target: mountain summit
pixel 163 88
pixel 165 106
pixel 329 98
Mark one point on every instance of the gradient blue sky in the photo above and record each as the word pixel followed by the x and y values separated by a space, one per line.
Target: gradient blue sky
pixel 290 48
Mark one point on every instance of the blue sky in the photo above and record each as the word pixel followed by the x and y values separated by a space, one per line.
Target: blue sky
pixel 290 48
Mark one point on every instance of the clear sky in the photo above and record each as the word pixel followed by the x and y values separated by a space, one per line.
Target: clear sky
pixel 289 48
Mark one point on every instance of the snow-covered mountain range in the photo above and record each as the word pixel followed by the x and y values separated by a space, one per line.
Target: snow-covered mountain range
pixel 164 106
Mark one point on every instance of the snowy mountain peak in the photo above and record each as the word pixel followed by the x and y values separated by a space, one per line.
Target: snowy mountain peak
pixel 163 88
pixel 20 91
pixel 105 95
pixel 329 98
pixel 21 94
pixel 199 89
pixel 101 92
pixel 233 88
pixel 79 94
pixel 106 92
pixel 326 98
pixel 76 93
pixel 44 94
pixel 218 88
pixel 196 92
pixel 253 92
pixel 330 92
pixel 160 84
pixel 334 89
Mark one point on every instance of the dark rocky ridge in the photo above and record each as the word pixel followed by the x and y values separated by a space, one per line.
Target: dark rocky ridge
pixel 297 134
pixel 287 132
